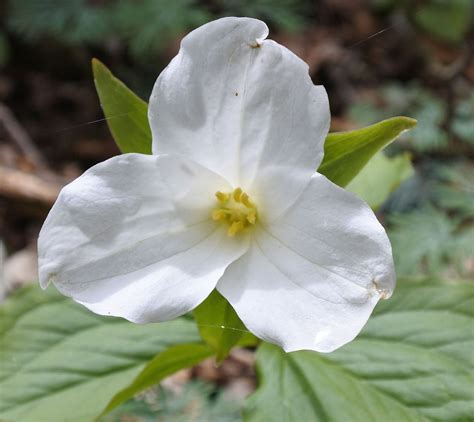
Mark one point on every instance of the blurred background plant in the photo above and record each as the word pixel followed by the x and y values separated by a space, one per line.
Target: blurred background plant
pixel 377 59
pixel 191 403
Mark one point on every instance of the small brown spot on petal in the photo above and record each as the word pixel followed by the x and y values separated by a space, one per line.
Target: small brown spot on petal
pixel 383 293
pixel 255 44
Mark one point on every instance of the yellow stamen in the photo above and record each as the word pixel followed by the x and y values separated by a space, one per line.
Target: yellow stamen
pixel 219 214
pixel 236 209
pixel 222 197
pixel 237 194
pixel 252 217
pixel 235 227
pixel 244 198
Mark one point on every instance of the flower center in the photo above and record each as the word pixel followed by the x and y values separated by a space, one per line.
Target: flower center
pixel 236 209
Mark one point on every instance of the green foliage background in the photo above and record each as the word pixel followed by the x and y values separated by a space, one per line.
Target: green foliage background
pixel 146 26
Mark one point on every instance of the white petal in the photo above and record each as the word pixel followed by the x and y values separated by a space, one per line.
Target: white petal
pixel 245 107
pixel 312 279
pixel 132 237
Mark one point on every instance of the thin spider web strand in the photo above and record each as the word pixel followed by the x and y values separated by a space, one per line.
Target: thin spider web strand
pixel 91 122
pixel 395 25
pixel 223 327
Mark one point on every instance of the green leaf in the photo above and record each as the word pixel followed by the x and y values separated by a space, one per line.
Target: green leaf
pixel 162 365
pixel 61 362
pixel 380 177
pixel 412 362
pixel 346 153
pixel 125 112
pixel 219 325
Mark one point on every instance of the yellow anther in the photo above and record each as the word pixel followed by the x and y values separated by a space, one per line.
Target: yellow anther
pixel 236 209
pixel 222 197
pixel 252 217
pixel 234 215
pixel 237 194
pixel 235 227
pixel 244 198
pixel 219 214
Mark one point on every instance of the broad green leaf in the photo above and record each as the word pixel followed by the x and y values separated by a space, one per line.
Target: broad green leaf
pixel 61 362
pixel 346 153
pixel 166 363
pixel 125 112
pixel 380 177
pixel 219 325
pixel 412 362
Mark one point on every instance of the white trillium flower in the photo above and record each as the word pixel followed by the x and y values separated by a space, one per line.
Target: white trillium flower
pixel 229 200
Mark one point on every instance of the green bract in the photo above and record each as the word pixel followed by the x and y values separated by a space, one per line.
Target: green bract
pixel 125 112
pixel 346 153
pixel 220 326
pixel 380 177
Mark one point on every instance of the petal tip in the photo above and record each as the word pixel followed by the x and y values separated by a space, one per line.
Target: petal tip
pixel 44 282
pixel 254 30
pixel 249 30
pixel 385 293
pixel 384 285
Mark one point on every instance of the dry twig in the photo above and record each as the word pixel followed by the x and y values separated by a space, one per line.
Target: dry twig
pixel 18 184
pixel 21 137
